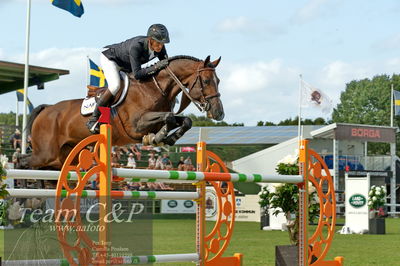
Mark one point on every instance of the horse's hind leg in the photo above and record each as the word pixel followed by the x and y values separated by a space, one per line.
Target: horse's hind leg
pixel 45 157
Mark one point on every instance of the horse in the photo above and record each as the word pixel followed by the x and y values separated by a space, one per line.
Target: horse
pixel 146 114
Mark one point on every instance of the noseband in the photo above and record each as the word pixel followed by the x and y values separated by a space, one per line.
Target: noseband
pixel 203 105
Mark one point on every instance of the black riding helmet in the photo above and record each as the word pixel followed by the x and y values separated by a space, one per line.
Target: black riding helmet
pixel 159 33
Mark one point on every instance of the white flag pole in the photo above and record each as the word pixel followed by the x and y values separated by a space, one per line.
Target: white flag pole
pixel 26 77
pixel 300 134
pixel 391 106
pixel 87 70
pixel 17 113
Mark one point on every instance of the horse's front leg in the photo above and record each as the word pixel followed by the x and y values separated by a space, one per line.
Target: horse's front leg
pixel 185 124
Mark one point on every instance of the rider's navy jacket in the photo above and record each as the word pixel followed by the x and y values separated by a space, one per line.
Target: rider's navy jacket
pixel 132 53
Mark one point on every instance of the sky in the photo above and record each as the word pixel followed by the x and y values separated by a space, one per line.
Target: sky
pixel 265 45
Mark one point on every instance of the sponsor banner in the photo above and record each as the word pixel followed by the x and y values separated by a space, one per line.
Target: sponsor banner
pixel 247 207
pixel 357 213
pixel 211 204
pixel 365 133
pixel 178 206
pixel 188 149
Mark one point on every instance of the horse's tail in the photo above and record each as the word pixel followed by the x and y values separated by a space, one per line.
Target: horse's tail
pixel 33 116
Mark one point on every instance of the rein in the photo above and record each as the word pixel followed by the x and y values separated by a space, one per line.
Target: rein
pixel 202 106
pixel 175 78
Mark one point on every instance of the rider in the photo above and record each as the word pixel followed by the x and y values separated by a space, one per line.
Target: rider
pixel 128 56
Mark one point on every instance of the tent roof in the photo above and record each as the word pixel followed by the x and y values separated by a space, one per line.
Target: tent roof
pixel 12 75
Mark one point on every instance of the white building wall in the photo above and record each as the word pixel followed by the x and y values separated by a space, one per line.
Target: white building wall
pixel 265 161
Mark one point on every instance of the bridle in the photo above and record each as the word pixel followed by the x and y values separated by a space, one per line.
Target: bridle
pixel 204 104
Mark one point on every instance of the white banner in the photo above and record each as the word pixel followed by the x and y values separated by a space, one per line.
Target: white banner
pixel 85 204
pixel 178 206
pixel 247 208
pixel 357 213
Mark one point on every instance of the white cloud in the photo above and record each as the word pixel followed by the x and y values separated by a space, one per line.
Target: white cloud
pixel 256 91
pixel 251 77
pixel 245 25
pixel 234 24
pixel 309 11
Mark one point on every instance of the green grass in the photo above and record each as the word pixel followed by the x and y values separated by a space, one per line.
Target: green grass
pixel 258 247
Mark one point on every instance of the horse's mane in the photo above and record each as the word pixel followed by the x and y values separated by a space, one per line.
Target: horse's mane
pixel 176 57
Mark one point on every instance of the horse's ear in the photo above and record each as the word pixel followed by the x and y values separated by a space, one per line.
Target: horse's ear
pixel 207 61
pixel 216 62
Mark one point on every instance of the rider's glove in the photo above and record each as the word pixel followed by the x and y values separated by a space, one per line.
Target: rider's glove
pixel 161 64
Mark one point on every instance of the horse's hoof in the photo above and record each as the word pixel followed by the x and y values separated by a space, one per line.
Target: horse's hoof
pixel 148 139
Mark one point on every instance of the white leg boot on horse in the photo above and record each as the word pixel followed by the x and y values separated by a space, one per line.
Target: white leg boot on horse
pixel 92 124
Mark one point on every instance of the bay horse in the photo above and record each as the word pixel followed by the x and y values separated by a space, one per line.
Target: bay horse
pixel 145 114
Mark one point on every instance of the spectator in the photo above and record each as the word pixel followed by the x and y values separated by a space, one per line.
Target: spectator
pixel 134 185
pixel 164 186
pixel 114 159
pixel 125 187
pixel 152 161
pixel 188 164
pixel 136 150
pixel 16 139
pixel 16 158
pixel 181 164
pixel 166 162
pixel 159 164
pixel 131 161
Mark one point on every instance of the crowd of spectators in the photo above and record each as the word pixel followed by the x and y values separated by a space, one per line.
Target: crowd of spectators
pixel 132 157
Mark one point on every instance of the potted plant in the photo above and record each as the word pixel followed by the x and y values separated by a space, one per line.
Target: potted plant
pixel 3 192
pixel 283 198
pixel 376 201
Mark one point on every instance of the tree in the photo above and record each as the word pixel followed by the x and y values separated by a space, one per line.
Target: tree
pixel 9 119
pixel 202 121
pixel 366 101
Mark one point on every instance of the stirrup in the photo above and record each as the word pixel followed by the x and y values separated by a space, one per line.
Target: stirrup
pixel 93 126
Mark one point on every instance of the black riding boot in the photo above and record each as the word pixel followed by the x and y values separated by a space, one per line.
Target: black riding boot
pixel 104 101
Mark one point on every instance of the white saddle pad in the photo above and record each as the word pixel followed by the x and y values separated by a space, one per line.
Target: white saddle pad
pixel 89 104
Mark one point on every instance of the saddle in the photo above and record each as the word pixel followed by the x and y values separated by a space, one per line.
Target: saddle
pixel 94 93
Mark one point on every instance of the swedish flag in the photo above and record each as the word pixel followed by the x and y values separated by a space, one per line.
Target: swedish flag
pixel 396 102
pixel 75 7
pixel 97 77
pixel 20 98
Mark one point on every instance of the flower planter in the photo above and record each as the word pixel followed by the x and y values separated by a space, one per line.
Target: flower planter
pixel 264 221
pixel 377 226
pixel 286 255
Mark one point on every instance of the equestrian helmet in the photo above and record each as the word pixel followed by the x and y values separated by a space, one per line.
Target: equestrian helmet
pixel 159 33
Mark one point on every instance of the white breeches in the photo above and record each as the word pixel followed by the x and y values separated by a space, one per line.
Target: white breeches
pixel 111 72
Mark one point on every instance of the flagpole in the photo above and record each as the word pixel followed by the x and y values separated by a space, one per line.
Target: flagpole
pixel 26 77
pixel 299 117
pixel 16 114
pixel 391 107
pixel 87 71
